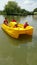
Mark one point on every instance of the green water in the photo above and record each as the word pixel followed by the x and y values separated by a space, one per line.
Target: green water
pixel 21 51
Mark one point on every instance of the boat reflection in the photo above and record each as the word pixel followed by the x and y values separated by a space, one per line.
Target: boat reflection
pixel 23 39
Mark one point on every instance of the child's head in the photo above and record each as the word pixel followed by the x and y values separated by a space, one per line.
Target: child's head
pixel 5 18
pixel 16 25
pixel 26 22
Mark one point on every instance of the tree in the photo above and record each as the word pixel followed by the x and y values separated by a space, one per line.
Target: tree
pixel 12 8
pixel 35 10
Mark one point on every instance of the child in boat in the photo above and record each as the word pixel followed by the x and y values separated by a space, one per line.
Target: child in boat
pixel 6 21
pixel 26 24
pixel 13 20
pixel 16 25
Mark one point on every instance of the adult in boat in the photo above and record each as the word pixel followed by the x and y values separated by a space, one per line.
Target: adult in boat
pixel 6 21
pixel 13 20
pixel 26 24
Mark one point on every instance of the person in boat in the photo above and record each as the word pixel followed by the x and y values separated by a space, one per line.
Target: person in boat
pixel 26 24
pixel 13 20
pixel 6 21
pixel 16 25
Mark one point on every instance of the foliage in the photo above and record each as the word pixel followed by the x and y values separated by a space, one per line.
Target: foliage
pixel 11 8
pixel 35 10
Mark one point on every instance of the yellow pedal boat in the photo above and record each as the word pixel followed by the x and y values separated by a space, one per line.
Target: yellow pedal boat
pixel 15 32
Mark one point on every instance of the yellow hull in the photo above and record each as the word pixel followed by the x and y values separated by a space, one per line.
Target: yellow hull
pixel 15 32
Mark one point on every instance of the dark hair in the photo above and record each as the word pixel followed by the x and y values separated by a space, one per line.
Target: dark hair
pixel 26 22
pixel 5 18
pixel 16 25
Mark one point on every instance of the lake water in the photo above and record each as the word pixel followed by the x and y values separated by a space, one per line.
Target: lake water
pixel 21 51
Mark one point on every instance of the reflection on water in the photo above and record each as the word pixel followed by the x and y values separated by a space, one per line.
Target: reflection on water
pixel 34 17
pixel 23 39
pixel 17 18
